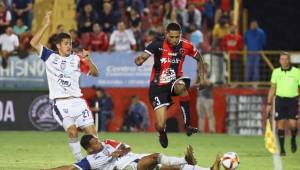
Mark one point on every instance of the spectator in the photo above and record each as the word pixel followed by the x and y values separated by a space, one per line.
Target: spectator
pixel 205 102
pixel 196 36
pixel 179 5
pixel 150 36
pixel 98 39
pixel 52 39
pixel 103 106
pixel 76 41
pixel 234 42
pixel 22 9
pixel 25 46
pixel 122 39
pixel 108 18
pixel 208 14
pixel 20 28
pixel 86 18
pixel 5 17
pixel 9 44
pixel 138 116
pixel 134 18
pixel 191 16
pixel 172 17
pixel 255 40
pixel 221 29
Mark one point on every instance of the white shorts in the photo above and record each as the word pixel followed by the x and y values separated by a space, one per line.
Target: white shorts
pixel 74 111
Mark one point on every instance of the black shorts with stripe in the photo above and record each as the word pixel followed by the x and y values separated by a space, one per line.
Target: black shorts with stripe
pixel 286 108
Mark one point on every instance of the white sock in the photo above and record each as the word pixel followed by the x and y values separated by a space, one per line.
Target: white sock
pixel 193 167
pixel 75 148
pixel 169 161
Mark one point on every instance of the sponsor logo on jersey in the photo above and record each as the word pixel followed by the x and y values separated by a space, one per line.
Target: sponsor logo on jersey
pixel 161 49
pixel 168 60
pixel 172 54
pixel 40 114
pixel 63 65
pixel 181 50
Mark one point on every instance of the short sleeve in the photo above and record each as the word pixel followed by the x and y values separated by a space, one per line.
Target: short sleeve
pixel 191 50
pixel 84 66
pixel 115 144
pixel 152 48
pixel 83 164
pixel 274 77
pixel 45 53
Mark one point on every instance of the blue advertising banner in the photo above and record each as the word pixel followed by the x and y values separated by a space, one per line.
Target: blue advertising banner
pixel 28 73
pixel 119 70
pixel 116 70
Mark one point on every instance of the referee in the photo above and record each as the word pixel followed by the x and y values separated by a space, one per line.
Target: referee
pixel 284 84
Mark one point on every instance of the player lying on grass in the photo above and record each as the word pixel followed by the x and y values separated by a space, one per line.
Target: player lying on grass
pixel 113 155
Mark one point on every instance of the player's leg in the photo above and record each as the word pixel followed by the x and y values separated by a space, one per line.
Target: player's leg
pixel 292 121
pixel 294 131
pixel 68 124
pixel 160 99
pixel 148 162
pixel 280 124
pixel 181 90
pixel 280 117
pixel 160 125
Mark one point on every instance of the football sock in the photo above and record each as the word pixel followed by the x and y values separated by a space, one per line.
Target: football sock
pixel 280 134
pixel 294 133
pixel 75 148
pixel 193 167
pixel 185 108
pixel 169 161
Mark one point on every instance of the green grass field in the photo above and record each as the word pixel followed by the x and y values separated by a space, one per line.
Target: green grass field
pixel 39 150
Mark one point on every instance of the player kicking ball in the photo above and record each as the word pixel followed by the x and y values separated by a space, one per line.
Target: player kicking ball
pixel 63 71
pixel 167 77
pixel 113 155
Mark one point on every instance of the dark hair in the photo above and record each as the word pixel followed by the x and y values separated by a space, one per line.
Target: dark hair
pixel 62 36
pixel 85 141
pixel 173 27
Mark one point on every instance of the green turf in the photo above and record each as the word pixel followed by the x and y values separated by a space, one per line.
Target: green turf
pixel 39 150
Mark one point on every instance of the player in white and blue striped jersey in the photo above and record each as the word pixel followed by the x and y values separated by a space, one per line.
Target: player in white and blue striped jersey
pixel 63 70
pixel 113 155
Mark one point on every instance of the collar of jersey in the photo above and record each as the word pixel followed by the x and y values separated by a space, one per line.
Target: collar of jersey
pixel 288 69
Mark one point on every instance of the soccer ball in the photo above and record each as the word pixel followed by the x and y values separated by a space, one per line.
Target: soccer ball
pixel 230 160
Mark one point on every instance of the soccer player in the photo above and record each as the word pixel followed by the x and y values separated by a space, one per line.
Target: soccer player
pixel 63 71
pixel 113 155
pixel 167 77
pixel 285 83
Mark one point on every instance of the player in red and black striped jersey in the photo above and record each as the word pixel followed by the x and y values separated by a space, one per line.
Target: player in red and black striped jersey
pixel 167 78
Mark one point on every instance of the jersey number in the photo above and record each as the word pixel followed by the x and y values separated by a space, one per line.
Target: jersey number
pixel 157 100
pixel 85 113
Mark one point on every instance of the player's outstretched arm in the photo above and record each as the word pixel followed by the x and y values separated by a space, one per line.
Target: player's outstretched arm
pixel 36 40
pixel 200 63
pixel 93 68
pixel 65 167
pixel 141 59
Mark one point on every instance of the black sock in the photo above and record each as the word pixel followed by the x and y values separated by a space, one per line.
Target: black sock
pixel 280 134
pixel 185 108
pixel 294 134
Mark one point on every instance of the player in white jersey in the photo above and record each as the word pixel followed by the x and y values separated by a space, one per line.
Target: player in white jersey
pixel 113 155
pixel 63 70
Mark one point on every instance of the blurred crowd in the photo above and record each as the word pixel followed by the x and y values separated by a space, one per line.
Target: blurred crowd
pixel 130 25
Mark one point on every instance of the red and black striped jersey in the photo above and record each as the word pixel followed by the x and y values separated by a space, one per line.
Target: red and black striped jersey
pixel 168 60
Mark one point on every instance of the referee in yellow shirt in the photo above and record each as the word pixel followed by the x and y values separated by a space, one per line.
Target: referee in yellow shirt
pixel 285 82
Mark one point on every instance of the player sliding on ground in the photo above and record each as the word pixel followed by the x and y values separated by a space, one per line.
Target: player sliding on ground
pixel 63 71
pixel 167 77
pixel 113 155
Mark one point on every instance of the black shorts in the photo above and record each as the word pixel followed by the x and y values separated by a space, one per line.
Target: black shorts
pixel 286 108
pixel 160 96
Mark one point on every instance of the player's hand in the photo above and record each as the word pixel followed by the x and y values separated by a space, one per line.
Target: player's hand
pixel 86 55
pixel 47 18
